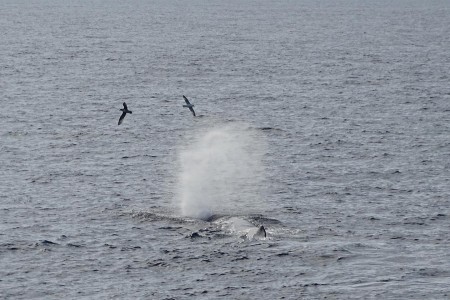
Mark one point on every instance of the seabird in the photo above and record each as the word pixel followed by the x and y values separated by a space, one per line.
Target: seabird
pixel 125 111
pixel 189 105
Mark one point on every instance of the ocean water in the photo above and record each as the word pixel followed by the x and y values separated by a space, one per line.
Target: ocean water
pixel 327 122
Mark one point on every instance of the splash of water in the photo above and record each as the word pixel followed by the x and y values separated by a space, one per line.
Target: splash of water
pixel 222 173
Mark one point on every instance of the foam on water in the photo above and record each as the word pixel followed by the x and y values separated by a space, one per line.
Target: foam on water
pixel 220 173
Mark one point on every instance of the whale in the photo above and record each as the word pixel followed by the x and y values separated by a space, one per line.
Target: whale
pixel 238 226
pixel 241 227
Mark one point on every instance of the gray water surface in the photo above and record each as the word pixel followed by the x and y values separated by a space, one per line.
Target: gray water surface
pixel 351 103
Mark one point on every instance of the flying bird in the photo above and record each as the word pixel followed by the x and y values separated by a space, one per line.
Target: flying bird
pixel 189 105
pixel 125 111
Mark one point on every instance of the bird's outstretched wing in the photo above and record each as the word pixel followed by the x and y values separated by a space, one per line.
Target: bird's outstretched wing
pixel 192 110
pixel 122 117
pixel 186 100
pixel 125 106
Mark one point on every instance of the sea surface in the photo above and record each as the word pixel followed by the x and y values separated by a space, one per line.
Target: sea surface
pixel 327 122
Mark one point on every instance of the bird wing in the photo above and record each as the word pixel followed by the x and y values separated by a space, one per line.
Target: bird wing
pixel 125 106
pixel 122 117
pixel 186 100
pixel 191 109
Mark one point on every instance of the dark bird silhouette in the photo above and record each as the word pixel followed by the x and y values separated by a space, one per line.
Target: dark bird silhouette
pixel 125 111
pixel 189 105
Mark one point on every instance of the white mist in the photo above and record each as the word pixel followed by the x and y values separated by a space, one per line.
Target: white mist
pixel 222 173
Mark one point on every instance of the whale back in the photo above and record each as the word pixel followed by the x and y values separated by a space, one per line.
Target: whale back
pixel 241 227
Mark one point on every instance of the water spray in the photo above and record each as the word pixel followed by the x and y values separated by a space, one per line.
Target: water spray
pixel 222 173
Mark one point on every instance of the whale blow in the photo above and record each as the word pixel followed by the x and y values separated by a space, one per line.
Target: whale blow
pixel 221 172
